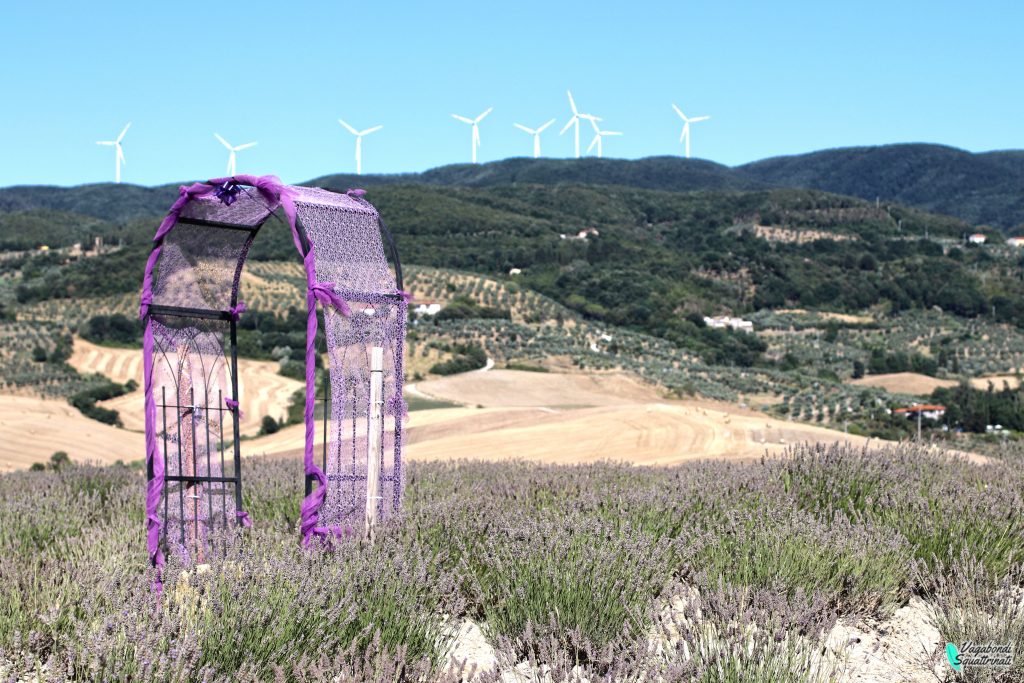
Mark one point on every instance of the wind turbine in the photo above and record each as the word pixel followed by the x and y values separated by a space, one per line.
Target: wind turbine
pixel 685 135
pixel 359 143
pixel 119 155
pixel 599 137
pixel 476 128
pixel 536 135
pixel 232 159
pixel 576 116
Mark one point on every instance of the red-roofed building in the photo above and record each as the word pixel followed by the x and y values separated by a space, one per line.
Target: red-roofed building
pixel 928 411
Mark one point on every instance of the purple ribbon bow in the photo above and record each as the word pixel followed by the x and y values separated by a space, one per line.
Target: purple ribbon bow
pixel 355 192
pixel 325 294
pixel 228 192
pixel 237 310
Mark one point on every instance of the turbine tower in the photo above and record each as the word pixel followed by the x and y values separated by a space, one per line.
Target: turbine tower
pixel 232 156
pixel 359 143
pixel 575 120
pixel 599 136
pixel 119 154
pixel 476 128
pixel 536 135
pixel 685 135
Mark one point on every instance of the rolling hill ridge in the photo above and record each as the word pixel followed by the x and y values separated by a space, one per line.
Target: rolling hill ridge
pixel 979 188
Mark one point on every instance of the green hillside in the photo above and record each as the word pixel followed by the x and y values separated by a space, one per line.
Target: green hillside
pixel 979 188
pixel 659 260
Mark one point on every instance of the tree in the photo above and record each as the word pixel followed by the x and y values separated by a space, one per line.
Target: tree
pixel 269 425
pixel 59 460
pixel 858 369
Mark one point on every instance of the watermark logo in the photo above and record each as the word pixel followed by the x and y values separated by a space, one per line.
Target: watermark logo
pixel 972 654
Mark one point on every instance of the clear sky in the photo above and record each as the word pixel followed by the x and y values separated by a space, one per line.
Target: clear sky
pixel 777 78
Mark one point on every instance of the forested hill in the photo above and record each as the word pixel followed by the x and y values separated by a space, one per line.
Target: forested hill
pixel 652 261
pixel 985 188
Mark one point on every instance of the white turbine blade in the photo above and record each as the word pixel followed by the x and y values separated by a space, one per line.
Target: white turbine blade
pixel 126 127
pixel 572 103
pixel 686 130
pixel 541 129
pixel 679 111
pixel 120 155
pixel 476 136
pixel 481 117
pixel 524 128
pixel 594 142
pixel 699 118
pixel 573 120
pixel 246 146
pixel 462 118
pixel 222 140
pixel 349 128
pixel 591 117
pixel 593 124
pixel 371 130
pixel 611 132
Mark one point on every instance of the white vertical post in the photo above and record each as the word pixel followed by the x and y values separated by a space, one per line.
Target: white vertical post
pixel 373 439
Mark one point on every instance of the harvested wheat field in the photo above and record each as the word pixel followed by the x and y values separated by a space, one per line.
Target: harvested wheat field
pixel 263 391
pixel 577 418
pixel 33 429
pixel 904 383
pixel 517 388
pixel 923 385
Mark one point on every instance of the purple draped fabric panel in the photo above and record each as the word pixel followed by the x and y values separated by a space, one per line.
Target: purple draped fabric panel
pixel 324 293
pixel 275 194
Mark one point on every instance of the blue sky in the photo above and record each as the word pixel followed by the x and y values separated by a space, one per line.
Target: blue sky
pixel 777 78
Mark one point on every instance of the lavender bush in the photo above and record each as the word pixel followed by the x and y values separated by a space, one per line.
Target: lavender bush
pixel 570 568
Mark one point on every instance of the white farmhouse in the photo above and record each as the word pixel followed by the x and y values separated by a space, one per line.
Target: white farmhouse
pixel 427 308
pixel 727 322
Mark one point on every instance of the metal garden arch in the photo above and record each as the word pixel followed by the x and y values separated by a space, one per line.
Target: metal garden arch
pixel 191 308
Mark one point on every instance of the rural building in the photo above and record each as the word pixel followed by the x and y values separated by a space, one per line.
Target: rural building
pixel 581 235
pixel 726 322
pixel 427 308
pixel 515 271
pixel 977 238
pixel 1016 241
pixel 927 411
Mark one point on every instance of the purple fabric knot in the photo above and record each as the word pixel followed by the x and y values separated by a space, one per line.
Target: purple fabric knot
pixel 232 405
pixel 325 294
pixel 243 517
pixel 406 296
pixel 355 192
pixel 228 192
pixel 237 310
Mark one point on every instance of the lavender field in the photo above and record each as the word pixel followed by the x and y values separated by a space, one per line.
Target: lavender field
pixel 703 572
